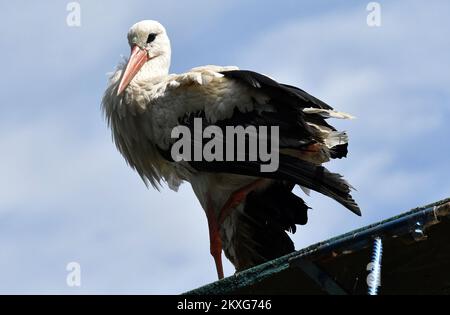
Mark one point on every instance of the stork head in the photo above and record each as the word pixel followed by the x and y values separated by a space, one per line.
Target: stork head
pixel 150 53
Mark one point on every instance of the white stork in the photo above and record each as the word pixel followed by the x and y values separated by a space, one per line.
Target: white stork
pixel 248 211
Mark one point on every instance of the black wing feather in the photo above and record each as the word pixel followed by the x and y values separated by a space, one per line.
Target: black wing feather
pixel 300 172
pixel 266 219
pixel 294 133
pixel 280 93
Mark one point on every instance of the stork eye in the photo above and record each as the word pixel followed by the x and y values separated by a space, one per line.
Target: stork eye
pixel 151 38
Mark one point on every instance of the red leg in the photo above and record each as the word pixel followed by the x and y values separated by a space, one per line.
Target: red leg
pixel 214 224
pixel 215 241
pixel 237 198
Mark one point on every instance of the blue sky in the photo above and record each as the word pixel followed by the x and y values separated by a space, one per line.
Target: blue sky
pixel 67 195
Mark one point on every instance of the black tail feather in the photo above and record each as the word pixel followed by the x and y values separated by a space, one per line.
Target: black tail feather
pixel 294 170
pixel 267 217
pixel 318 178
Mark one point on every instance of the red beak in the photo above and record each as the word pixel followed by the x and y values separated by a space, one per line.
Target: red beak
pixel 137 59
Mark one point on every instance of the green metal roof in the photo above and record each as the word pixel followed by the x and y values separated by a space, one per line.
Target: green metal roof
pixel 416 260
